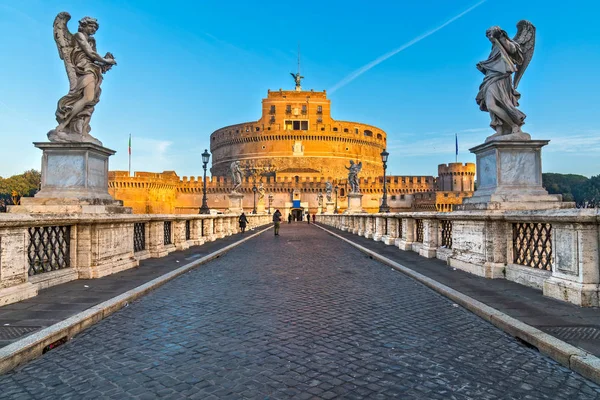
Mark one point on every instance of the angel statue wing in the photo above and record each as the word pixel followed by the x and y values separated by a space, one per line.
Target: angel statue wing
pixel 525 37
pixel 64 42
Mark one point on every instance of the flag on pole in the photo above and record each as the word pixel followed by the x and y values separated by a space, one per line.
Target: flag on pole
pixel 130 144
pixel 130 154
pixel 456 142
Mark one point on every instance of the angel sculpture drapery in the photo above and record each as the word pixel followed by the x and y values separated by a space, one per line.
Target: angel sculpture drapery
pixel 353 171
pixel 328 191
pixel 236 175
pixel 84 69
pixel 498 93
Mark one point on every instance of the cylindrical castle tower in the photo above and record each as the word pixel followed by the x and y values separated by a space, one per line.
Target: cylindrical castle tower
pixel 296 133
pixel 456 177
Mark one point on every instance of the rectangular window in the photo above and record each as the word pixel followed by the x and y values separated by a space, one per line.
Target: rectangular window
pixel 272 111
pixel 296 125
pixel 401 197
pixel 288 109
pixel 304 109
pixel 355 130
pixel 319 109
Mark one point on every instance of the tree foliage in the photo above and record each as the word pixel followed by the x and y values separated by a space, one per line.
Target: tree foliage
pixel 585 192
pixel 17 186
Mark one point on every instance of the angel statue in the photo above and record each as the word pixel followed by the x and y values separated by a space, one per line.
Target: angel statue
pixel 84 69
pixel 353 171
pixel 261 192
pixel 498 93
pixel 297 79
pixel 236 174
pixel 328 191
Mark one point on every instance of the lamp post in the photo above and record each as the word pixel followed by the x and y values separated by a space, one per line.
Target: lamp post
pixel 270 201
pixel 254 189
pixel 335 211
pixel 204 209
pixel 384 208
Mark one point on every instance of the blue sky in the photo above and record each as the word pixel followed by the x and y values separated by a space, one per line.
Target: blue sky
pixel 186 69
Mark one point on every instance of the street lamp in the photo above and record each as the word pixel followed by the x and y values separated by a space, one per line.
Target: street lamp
pixel 270 201
pixel 384 208
pixel 254 189
pixel 335 211
pixel 204 209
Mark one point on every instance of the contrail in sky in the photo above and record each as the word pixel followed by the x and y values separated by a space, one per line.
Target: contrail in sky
pixel 384 57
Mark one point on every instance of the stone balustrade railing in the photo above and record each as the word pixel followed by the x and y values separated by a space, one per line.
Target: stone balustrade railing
pixel 39 251
pixel 552 250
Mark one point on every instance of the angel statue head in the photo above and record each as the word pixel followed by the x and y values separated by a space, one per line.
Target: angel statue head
pixel 88 25
pixel 498 93
pixel 85 69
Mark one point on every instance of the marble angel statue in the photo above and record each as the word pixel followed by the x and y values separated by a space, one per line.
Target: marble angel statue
pixel 353 171
pixel 498 93
pixel 328 191
pixel 85 68
pixel 236 175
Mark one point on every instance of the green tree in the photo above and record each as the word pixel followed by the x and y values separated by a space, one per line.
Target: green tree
pixel 25 185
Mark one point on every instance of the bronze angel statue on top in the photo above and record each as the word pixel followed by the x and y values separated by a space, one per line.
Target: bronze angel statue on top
pixel 85 68
pixel 498 93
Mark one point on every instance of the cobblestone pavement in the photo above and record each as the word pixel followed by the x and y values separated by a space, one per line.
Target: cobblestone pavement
pixel 302 315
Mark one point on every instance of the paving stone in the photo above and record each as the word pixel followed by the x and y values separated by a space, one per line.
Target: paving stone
pixel 302 315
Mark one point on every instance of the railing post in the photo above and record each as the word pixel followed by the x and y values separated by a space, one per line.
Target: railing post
pixel 430 238
pixel 196 233
pixel 369 226
pixel 392 230
pixel 479 246
pixel 208 228
pixel 378 232
pixel 179 235
pixel 343 222
pixel 14 285
pixel 156 244
pixel 408 234
pixel 576 264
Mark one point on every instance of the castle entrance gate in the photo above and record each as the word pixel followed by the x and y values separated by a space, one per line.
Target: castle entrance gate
pixel 297 214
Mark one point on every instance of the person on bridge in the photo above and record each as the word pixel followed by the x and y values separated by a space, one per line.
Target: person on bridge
pixel 308 218
pixel 243 221
pixel 276 221
pixel 314 217
pixel 289 218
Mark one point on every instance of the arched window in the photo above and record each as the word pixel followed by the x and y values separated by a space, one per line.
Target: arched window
pixel 368 133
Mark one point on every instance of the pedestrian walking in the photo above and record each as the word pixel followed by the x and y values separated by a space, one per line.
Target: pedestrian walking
pixel 308 218
pixel 243 221
pixel 289 218
pixel 314 217
pixel 276 222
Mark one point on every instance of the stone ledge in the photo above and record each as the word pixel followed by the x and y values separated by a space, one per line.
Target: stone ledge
pixel 48 279
pixel 528 276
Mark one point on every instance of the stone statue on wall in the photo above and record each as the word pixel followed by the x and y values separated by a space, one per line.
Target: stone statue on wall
pixel 353 171
pixel 85 68
pixel 236 175
pixel 498 93
pixel 328 190
pixel 320 199
pixel 261 192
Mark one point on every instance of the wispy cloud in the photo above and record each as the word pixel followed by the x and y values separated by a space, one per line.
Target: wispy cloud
pixel 405 46
pixel 436 143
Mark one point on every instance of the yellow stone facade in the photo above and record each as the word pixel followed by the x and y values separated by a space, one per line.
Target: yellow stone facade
pixel 455 182
pixel 293 149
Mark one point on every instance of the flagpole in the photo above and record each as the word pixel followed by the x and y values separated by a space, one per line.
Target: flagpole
pixel 130 154
pixel 456 141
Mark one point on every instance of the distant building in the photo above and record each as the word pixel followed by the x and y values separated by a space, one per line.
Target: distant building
pixel 293 149
pixel 455 182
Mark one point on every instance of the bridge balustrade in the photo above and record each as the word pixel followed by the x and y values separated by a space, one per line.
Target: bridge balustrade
pixel 556 251
pixel 40 251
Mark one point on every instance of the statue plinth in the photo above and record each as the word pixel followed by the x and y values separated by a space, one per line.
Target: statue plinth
pixel 235 203
pixel 354 204
pixel 260 207
pixel 509 177
pixel 330 207
pixel 74 180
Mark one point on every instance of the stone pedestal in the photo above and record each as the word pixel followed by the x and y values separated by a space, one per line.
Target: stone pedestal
pixel 235 203
pixel 354 203
pixel 509 177
pixel 260 207
pixel 330 207
pixel 74 181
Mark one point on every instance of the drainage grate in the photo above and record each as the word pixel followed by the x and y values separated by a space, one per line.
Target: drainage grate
pixel 576 332
pixel 14 332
